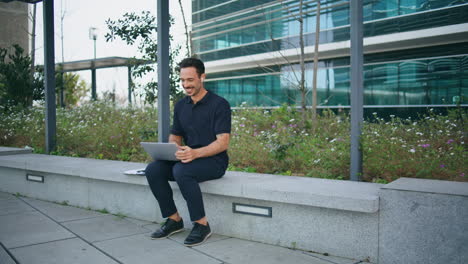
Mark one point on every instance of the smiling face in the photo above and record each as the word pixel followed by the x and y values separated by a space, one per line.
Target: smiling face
pixel 192 83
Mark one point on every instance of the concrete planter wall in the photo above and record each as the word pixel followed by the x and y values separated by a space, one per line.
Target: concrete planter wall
pixel 407 221
pixel 423 221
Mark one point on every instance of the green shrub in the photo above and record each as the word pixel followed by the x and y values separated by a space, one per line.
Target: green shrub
pixel 265 141
pixel 93 130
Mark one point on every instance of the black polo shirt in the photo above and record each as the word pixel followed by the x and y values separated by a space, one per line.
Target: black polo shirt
pixel 199 123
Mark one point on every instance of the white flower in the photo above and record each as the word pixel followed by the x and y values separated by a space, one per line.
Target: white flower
pixel 316 161
pixel 412 150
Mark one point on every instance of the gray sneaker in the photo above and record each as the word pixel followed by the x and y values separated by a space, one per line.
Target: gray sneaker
pixel 169 228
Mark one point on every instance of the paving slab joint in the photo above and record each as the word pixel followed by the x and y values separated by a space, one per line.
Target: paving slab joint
pixel 8 257
pixel 76 235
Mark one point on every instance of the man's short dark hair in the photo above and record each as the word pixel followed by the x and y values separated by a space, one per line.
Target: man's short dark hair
pixel 192 62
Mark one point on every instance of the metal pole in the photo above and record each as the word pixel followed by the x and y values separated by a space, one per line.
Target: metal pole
pixel 49 73
pixel 93 83
pixel 129 85
pixel 163 70
pixel 62 86
pixel 93 72
pixel 357 93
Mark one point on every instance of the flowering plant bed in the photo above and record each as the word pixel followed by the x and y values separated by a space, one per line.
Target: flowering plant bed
pixel 267 141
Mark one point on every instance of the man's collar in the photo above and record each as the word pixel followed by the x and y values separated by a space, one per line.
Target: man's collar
pixel 188 99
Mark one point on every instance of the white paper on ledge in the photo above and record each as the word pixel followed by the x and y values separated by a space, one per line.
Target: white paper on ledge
pixel 139 172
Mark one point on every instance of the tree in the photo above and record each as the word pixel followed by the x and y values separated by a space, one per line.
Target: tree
pixel 61 78
pixel 73 87
pixel 140 29
pixel 33 40
pixel 17 88
pixel 187 35
pixel 296 78
pixel 299 83
pixel 316 55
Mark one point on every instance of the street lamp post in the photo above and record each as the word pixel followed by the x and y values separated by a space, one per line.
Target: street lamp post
pixel 93 36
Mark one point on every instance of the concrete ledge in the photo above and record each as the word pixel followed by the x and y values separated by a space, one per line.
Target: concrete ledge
pixel 428 186
pixel 423 221
pixel 341 195
pixel 13 151
pixel 326 216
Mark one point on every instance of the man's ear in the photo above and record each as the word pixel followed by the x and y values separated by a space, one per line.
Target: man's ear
pixel 202 77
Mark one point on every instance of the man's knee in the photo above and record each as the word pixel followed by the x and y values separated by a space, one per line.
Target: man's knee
pixel 180 172
pixel 151 168
pixel 155 168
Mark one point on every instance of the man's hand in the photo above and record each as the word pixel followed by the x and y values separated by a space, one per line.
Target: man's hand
pixel 186 154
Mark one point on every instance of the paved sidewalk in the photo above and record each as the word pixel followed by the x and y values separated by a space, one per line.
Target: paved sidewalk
pixel 38 232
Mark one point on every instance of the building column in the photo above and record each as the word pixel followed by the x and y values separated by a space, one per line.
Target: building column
pixel 49 73
pixel 357 89
pixel 163 70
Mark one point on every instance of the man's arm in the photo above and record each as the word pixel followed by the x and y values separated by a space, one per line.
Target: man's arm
pixel 175 139
pixel 187 154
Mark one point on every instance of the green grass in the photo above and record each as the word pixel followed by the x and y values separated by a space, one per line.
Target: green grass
pixel 103 211
pixel 120 215
pixel 262 141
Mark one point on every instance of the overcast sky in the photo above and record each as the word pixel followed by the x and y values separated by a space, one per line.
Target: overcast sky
pixel 83 14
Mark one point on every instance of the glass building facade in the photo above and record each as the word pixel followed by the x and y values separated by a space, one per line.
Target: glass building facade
pixel 427 64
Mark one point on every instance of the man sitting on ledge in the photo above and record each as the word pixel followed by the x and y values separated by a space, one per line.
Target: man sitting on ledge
pixel 202 120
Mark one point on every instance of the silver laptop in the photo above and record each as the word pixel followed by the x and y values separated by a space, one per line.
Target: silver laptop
pixel 160 151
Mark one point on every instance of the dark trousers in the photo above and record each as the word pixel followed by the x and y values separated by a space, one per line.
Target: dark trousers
pixel 187 176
